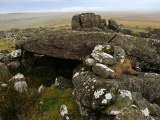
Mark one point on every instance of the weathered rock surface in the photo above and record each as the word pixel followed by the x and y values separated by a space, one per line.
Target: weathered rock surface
pixel 97 96
pixel 88 21
pixel 101 56
pixel 119 54
pixel 103 70
pixel 18 83
pixel 102 92
pixel 4 73
pixel 77 45
pixel 113 25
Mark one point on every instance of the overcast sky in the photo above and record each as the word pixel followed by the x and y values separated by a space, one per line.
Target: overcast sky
pixel 78 5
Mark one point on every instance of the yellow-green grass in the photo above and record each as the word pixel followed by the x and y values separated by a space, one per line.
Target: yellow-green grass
pixel 140 30
pixel 7 44
pixel 52 99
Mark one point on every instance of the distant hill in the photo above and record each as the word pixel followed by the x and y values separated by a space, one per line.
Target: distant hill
pixel 33 20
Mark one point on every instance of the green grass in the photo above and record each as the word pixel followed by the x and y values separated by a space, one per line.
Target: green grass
pixel 53 98
pixel 140 30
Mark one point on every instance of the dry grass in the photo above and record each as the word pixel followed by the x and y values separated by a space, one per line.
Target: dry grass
pixel 124 67
pixel 7 44
pixel 52 99
pixel 34 20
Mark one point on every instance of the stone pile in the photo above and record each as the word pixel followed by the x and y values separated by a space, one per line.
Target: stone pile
pixel 102 93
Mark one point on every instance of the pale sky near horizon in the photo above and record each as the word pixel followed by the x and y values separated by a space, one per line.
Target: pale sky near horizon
pixel 80 5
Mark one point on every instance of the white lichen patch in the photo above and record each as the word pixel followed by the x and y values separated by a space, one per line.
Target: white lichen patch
pixel 18 76
pixel 98 48
pixel 104 101
pixel 99 93
pixel 96 56
pixel 96 53
pixel 4 85
pixel 101 56
pixel 90 62
pixel 105 67
pixel 105 55
pixel 125 93
pixel 145 111
pixel 21 86
pixel 115 112
pixel 41 88
pixel 76 74
pixel 56 83
pixel 122 60
pixel 108 47
pixel 134 106
pixel 150 74
pixel 64 112
pixel 108 97
pixel 16 53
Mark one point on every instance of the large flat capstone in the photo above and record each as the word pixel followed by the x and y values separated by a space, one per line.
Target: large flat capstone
pixel 77 45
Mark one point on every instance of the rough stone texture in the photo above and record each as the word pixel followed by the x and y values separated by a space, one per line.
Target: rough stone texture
pixel 77 45
pixel 5 75
pixel 101 56
pixel 18 83
pixel 94 94
pixel 113 25
pixel 90 61
pixel 155 33
pixel 87 21
pixel 132 113
pixel 151 90
pixel 14 65
pixel 144 51
pixel 119 54
pixel 103 70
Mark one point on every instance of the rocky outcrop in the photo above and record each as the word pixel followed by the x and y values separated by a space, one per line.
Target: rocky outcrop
pixel 144 52
pixel 88 21
pixel 103 93
pixel 113 25
pixel 111 96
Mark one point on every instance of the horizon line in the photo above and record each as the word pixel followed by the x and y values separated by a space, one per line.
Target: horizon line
pixel 92 9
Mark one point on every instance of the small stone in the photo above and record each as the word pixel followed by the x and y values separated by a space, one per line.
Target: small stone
pixel 102 57
pixel 64 112
pixel 16 53
pixel 119 54
pixel 41 88
pixel 14 65
pixel 103 70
